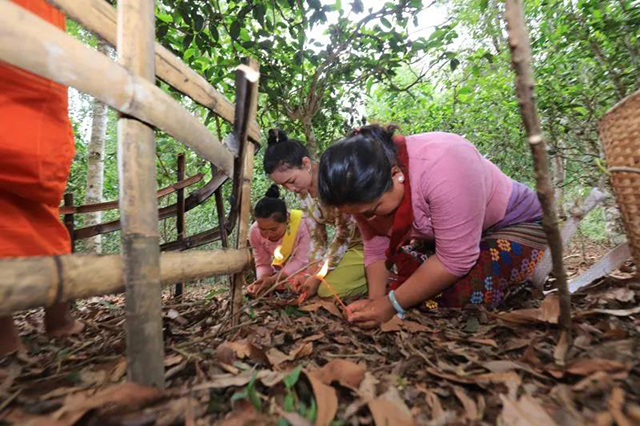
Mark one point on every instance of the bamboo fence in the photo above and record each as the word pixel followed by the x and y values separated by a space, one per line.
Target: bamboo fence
pixel 128 86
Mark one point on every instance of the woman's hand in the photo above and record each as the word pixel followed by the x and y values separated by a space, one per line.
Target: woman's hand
pixel 369 313
pixel 308 288
pixel 261 284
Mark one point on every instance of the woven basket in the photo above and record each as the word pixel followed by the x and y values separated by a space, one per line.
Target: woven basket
pixel 620 134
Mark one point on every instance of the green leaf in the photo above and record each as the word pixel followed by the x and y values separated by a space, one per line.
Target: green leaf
pixel 213 29
pixel 186 42
pixel 483 5
pixel 199 22
pixel 164 17
pixel 385 22
pixel 357 6
pixel 292 378
pixel 259 12
pixel 289 403
pixel 234 30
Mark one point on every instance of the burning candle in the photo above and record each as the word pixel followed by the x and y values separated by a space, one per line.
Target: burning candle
pixel 278 258
pixel 321 274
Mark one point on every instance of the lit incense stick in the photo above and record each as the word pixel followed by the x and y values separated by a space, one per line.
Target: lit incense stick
pixel 321 274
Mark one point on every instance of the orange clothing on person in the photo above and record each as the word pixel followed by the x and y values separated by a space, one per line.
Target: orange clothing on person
pixel 36 150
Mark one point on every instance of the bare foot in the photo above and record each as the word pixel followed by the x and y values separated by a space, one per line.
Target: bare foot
pixel 76 327
pixel 9 338
pixel 58 321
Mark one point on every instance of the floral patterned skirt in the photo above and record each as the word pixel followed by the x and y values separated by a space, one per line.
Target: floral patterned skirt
pixel 507 260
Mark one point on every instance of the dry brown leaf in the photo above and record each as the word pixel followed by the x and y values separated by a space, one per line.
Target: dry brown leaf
pixel 599 379
pixel 328 305
pixel 396 324
pixel 622 294
pixel 584 367
pixel 367 388
pixel 93 377
pixel 470 407
pixel 614 312
pixel 392 325
pixel 172 360
pixel 267 377
pixel 616 404
pixel 488 342
pixel 386 413
pixel 244 414
pixel 390 409
pixel 547 312
pixel 241 349
pixel 277 357
pixel 313 338
pixel 119 370
pixel 326 400
pixel 345 372
pixel 438 415
pixel 124 397
pixel 524 412
pixel 301 351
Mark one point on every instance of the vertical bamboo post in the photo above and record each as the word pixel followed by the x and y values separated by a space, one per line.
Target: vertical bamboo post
pixel 222 222
pixel 246 106
pixel 525 83
pixel 180 215
pixel 69 220
pixel 138 205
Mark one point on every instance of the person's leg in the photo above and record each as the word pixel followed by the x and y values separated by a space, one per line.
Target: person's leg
pixel 9 338
pixel 348 278
pixel 58 321
pixel 503 265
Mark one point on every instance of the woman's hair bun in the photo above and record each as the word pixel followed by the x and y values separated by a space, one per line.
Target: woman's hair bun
pixel 277 136
pixel 273 192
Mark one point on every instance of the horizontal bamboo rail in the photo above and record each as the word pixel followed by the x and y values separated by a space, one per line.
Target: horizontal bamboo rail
pixel 27 283
pixel 111 205
pixel 100 17
pixel 193 200
pixel 29 42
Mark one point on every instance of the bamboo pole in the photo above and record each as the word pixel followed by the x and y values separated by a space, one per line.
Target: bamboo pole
pixel 31 43
pixel 100 17
pixel 139 205
pixel 69 220
pixel 180 231
pixel 111 205
pixel 246 106
pixel 32 282
pixel 524 83
pixel 192 201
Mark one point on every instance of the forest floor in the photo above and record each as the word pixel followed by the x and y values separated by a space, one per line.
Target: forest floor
pixel 447 367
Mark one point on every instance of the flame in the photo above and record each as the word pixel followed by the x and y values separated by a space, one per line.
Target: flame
pixel 323 271
pixel 277 254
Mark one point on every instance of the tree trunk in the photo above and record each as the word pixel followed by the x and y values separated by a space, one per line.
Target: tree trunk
pixel 559 176
pixel 310 136
pixel 95 168
pixel 525 84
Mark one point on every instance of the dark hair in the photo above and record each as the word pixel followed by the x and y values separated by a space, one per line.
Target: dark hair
pixel 271 206
pixel 283 152
pixel 357 169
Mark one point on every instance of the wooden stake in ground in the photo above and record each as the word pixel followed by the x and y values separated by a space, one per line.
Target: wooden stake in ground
pixel 246 105
pixel 180 216
pixel 521 59
pixel 139 206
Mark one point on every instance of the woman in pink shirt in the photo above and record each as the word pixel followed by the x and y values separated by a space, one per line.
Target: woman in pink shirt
pixel 276 228
pixel 431 190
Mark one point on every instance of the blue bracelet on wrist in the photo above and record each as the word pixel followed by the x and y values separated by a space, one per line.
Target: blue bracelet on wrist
pixel 392 297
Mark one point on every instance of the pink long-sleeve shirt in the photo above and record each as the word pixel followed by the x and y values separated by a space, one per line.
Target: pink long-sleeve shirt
pixel 456 194
pixel 263 251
